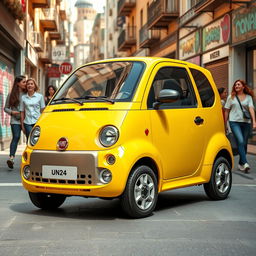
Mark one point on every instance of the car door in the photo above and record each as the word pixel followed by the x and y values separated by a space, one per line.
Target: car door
pixel 177 127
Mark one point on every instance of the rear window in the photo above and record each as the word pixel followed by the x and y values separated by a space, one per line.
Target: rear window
pixel 204 88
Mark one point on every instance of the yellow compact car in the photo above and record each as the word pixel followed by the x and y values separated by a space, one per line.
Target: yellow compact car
pixel 129 128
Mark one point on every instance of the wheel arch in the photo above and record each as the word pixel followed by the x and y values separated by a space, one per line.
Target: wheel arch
pixel 224 153
pixel 150 163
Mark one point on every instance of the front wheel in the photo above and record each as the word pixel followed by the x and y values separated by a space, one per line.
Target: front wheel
pixel 220 183
pixel 46 201
pixel 140 195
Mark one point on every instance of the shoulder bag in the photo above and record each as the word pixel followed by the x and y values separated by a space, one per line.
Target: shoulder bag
pixel 246 113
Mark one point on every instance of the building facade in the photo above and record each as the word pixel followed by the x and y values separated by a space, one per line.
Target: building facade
pixel 29 30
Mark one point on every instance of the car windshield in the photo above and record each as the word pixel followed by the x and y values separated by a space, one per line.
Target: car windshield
pixel 108 82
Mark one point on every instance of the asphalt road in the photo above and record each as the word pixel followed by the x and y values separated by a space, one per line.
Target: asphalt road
pixel 185 222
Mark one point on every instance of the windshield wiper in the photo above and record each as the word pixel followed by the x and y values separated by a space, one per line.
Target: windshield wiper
pixel 103 98
pixel 71 99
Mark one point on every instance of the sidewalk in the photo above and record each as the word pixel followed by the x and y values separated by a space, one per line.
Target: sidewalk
pixel 19 151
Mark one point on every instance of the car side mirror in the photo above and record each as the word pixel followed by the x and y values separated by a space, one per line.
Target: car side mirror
pixel 166 96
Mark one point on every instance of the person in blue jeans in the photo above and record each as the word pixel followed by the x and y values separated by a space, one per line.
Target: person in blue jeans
pixel 31 106
pixel 239 125
pixel 12 107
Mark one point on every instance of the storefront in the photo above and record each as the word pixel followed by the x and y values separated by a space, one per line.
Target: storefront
pixel 215 49
pixel 244 46
pixel 11 59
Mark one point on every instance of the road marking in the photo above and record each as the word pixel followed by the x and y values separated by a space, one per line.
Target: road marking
pixel 10 184
pixel 9 222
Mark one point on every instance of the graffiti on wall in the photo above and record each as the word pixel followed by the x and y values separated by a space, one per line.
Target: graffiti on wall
pixel 6 81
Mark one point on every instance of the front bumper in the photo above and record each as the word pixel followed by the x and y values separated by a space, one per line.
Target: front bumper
pixel 88 163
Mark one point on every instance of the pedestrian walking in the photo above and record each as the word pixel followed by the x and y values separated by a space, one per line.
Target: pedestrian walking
pixel 12 107
pixel 223 95
pixel 239 110
pixel 49 93
pixel 31 107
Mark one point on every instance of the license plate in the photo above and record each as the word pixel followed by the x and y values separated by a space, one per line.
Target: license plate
pixel 59 172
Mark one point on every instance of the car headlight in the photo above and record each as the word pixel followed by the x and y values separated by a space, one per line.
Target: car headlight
pixel 109 136
pixel 34 136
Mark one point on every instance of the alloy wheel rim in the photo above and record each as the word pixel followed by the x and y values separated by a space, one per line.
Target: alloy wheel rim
pixel 144 191
pixel 222 178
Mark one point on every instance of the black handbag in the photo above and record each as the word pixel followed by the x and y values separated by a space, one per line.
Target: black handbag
pixel 233 143
pixel 246 113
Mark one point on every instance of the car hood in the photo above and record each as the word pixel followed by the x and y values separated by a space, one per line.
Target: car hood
pixel 81 126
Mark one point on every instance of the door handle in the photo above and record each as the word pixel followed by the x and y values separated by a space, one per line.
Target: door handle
pixel 198 120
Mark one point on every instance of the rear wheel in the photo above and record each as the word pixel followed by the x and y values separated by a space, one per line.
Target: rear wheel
pixel 220 183
pixel 46 201
pixel 140 195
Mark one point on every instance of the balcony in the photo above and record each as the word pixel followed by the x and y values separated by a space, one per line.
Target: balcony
pixel 49 20
pixel 148 37
pixel 124 7
pixel 127 38
pixel 207 5
pixel 46 55
pixel 41 3
pixel 38 41
pixel 162 12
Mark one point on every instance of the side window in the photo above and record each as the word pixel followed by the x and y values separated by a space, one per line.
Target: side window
pixel 204 88
pixel 176 79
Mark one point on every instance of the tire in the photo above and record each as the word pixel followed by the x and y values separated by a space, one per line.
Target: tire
pixel 46 201
pixel 220 183
pixel 140 195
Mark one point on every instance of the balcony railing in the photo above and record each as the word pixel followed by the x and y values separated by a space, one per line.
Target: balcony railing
pixel 127 38
pixel 49 19
pixel 41 3
pixel 148 36
pixel 38 41
pixel 207 5
pixel 124 7
pixel 161 12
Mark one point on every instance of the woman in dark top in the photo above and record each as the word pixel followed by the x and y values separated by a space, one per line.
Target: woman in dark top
pixel 49 93
pixel 12 107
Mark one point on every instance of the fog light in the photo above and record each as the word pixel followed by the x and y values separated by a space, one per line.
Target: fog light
pixel 26 172
pixel 111 159
pixel 25 156
pixel 105 176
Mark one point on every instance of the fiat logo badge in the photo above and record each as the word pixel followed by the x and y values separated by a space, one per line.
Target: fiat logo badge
pixel 62 144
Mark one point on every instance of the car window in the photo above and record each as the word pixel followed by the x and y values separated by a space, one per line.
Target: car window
pixel 176 79
pixel 204 88
pixel 116 81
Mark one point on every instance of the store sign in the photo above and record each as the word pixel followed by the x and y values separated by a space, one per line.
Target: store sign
pixel 244 24
pixel 217 33
pixel 59 53
pixel 189 45
pixel 216 54
pixel 53 71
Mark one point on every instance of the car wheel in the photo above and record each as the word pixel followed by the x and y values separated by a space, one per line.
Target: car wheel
pixel 140 195
pixel 220 183
pixel 46 201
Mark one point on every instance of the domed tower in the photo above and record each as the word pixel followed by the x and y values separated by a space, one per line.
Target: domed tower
pixel 83 29
pixel 85 10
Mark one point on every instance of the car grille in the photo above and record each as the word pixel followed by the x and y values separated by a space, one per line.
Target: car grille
pixel 85 162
